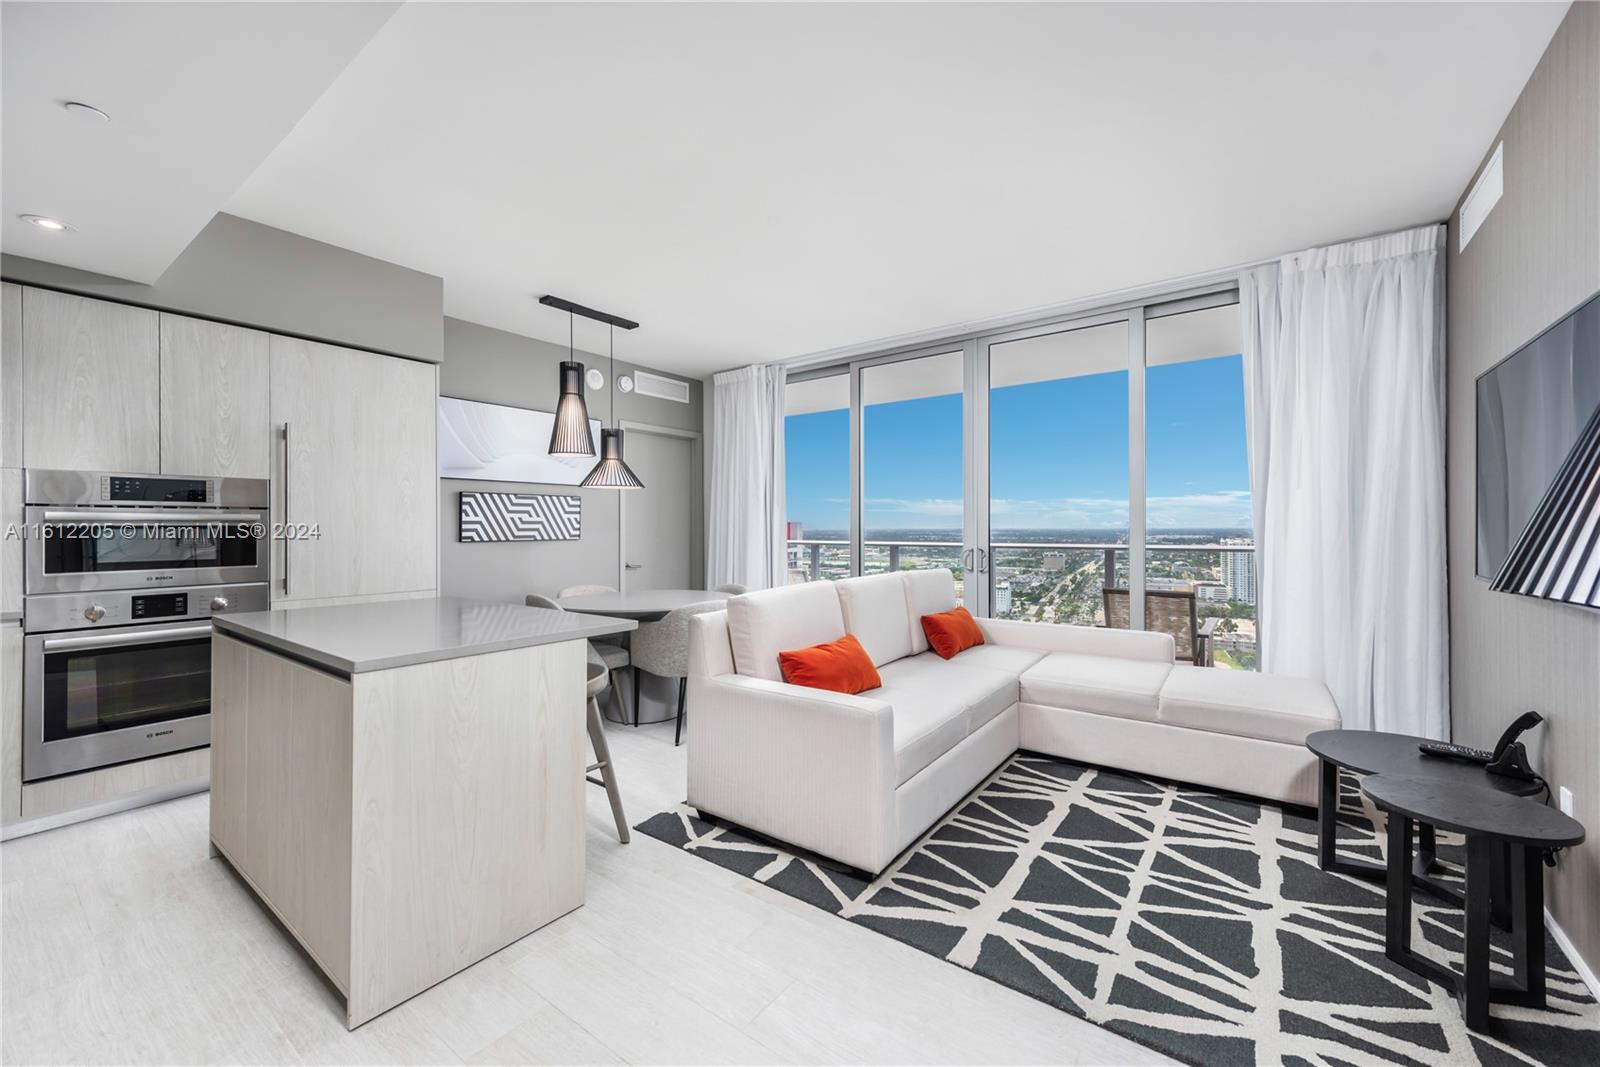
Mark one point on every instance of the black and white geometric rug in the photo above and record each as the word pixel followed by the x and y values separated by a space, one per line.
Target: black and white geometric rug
pixel 1193 922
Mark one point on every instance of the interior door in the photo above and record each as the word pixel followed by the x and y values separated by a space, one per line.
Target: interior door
pixel 658 519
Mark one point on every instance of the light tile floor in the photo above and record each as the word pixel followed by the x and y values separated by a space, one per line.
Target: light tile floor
pixel 122 942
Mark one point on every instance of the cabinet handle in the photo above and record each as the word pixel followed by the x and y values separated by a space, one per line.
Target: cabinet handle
pixel 285 507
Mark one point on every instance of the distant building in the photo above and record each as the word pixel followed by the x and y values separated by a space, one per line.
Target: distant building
pixel 1239 575
pixel 1002 597
pixel 1211 591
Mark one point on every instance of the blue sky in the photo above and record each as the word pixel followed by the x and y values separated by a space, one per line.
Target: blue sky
pixel 1058 455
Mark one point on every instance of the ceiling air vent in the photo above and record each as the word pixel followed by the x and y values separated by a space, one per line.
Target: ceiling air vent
pixel 647 384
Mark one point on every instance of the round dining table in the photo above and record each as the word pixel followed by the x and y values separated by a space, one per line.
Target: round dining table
pixel 646 605
pixel 657 698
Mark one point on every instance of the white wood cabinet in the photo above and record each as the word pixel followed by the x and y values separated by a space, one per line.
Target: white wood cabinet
pixel 10 722
pixel 215 415
pixel 10 375
pixel 403 823
pixel 90 370
pixel 11 517
pixel 354 460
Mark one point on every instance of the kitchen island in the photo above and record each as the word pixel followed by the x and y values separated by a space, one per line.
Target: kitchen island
pixel 401 783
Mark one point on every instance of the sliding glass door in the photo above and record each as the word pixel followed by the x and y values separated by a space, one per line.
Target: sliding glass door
pixel 1090 471
pixel 1057 500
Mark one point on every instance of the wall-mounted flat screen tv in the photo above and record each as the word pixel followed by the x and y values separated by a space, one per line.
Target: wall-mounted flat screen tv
pixel 1531 406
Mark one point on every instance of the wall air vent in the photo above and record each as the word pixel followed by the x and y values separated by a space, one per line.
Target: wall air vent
pixel 1484 196
pixel 647 384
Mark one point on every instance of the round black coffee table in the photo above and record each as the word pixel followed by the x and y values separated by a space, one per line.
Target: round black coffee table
pixel 1491 821
pixel 1369 752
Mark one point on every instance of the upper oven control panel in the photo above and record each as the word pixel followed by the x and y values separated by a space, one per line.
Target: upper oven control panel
pixel 133 489
pixel 57 488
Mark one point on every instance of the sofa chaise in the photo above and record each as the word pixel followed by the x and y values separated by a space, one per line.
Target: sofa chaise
pixel 859 778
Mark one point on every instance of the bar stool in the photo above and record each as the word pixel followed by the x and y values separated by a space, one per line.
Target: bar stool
pixel 615 656
pixel 599 678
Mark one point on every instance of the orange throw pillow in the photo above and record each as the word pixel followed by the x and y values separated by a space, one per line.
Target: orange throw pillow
pixel 842 666
pixel 952 631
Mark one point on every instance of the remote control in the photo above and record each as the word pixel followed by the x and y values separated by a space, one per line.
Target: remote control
pixel 1440 748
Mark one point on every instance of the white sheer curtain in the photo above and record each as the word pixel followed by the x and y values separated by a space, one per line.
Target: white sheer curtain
pixel 745 532
pixel 1344 367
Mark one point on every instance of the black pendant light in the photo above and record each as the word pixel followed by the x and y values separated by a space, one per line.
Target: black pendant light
pixel 569 434
pixel 612 472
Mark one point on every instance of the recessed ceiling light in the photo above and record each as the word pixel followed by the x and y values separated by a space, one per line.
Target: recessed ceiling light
pixel 45 222
pixel 86 111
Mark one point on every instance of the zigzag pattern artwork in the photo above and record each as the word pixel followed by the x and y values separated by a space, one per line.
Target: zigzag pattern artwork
pixel 519 517
pixel 1193 922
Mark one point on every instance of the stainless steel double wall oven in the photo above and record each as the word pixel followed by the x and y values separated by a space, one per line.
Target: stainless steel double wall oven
pixel 123 574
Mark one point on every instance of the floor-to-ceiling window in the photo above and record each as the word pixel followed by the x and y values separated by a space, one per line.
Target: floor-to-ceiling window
pixel 912 464
pixel 1058 473
pixel 1091 470
pixel 816 446
pixel 1199 535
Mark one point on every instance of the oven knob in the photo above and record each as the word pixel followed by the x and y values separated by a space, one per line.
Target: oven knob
pixel 94 613
pixel 219 603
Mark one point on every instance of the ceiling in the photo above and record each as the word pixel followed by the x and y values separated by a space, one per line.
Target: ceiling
pixel 758 182
pixel 198 95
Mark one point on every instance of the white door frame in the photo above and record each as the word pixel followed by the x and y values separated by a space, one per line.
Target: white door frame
pixel 696 478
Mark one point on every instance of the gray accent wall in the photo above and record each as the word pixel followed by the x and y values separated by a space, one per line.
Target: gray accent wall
pixel 498 367
pixel 248 274
pixel 1535 258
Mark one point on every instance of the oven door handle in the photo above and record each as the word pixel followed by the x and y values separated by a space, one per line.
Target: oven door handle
pixel 155 635
pixel 116 517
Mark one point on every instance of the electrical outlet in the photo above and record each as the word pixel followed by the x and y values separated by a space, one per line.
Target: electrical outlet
pixel 1566 800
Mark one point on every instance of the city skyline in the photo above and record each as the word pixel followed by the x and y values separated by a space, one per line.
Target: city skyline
pixel 1197 468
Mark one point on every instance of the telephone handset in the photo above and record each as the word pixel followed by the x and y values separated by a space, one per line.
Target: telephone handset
pixel 1509 757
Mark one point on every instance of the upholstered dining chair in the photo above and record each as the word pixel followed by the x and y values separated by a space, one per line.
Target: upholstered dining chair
pixel 732 589
pixel 614 656
pixel 662 648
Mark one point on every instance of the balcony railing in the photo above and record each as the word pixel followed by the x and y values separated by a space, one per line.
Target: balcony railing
pixel 1062 581
pixel 810 553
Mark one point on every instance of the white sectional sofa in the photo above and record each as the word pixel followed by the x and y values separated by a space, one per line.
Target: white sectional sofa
pixel 860 778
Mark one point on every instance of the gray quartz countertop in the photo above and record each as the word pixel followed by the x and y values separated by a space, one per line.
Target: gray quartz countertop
pixel 352 638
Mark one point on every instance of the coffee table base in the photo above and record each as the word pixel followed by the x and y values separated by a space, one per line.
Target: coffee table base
pixel 1474 986
pixel 1328 858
